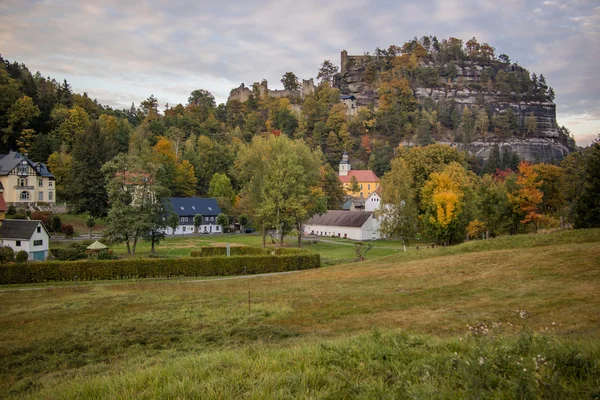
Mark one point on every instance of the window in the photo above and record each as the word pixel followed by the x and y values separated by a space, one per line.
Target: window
pixel 182 219
pixel 18 243
pixel 50 184
pixel 212 218
pixel 38 242
pixel 23 182
pixel 23 168
pixel 41 196
pixel 39 229
pixel 50 196
pixel 369 186
pixel 186 218
pixel 40 183
pixel 361 186
pixel 24 196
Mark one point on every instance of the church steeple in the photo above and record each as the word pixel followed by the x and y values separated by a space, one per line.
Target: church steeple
pixel 344 165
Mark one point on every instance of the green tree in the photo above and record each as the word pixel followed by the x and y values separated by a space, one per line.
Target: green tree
pixel 398 212
pixel 20 115
pixel 243 220
pixel 354 185
pixel 332 187
pixel 290 81
pixel 173 221
pixel 137 202
pixel 198 218
pixel 327 71
pixel 587 209
pixel 220 188
pixel 531 123
pixel 223 221
pixel 85 186
pixel 90 223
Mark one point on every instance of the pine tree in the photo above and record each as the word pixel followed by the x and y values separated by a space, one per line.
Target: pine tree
pixel 493 162
pixel 85 186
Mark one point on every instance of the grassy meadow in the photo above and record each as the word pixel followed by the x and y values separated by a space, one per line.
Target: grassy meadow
pixel 513 317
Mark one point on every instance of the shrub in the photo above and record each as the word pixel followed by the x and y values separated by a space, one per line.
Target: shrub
pixel 54 223
pixel 156 267
pixel 12 210
pixel 212 251
pixel 7 254
pixel 67 229
pixel 20 214
pixel 43 216
pixel 22 256
pixel 75 251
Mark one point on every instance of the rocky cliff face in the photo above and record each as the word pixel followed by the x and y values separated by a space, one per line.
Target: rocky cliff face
pixel 546 144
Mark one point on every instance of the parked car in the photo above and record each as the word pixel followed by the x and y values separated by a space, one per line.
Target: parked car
pixel 249 230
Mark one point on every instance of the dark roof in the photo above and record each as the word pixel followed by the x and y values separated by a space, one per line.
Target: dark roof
pixel 353 219
pixel 19 228
pixel 347 97
pixel 185 206
pixel 9 161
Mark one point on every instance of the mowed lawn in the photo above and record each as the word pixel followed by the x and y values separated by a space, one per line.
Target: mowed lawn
pixel 391 327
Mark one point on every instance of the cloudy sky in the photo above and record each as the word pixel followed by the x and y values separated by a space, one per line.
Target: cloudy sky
pixel 122 51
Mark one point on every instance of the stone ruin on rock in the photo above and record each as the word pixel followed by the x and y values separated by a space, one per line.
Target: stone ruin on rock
pixel 243 93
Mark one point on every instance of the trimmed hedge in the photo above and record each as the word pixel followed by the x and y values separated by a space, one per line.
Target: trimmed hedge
pixel 212 251
pixel 156 268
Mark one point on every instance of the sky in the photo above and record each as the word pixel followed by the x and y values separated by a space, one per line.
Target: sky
pixel 121 52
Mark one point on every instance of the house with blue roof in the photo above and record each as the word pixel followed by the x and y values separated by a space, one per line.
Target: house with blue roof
pixel 24 181
pixel 187 207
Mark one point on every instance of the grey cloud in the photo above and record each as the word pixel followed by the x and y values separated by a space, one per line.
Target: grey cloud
pixel 174 47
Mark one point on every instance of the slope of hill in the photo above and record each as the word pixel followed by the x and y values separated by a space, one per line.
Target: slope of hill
pixel 535 295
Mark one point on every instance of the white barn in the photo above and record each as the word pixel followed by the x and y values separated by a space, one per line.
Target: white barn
pixel 23 234
pixel 355 225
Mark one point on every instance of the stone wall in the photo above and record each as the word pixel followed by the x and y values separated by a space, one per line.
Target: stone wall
pixel 243 93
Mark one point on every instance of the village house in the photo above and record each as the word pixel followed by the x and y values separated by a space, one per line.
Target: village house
pixel 355 225
pixel 27 235
pixel 367 180
pixel 187 207
pixel 373 202
pixel 24 182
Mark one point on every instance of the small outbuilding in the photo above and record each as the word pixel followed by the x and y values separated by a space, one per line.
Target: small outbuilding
pixel 355 225
pixel 96 247
pixel 28 235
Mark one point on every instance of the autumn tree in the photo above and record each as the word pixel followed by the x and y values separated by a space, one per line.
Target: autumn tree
pixel 332 187
pixel 443 202
pixel 527 196
pixel 398 211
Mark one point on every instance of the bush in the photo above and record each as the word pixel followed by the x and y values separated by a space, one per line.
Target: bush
pixel 20 214
pixel 7 254
pixel 67 229
pixel 156 267
pixel 12 210
pixel 54 223
pixel 75 251
pixel 212 251
pixel 22 256
pixel 43 216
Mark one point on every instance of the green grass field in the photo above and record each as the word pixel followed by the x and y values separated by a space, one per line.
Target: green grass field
pixel 394 326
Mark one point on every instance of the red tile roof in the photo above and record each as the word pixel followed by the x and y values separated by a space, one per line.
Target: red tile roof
pixel 2 203
pixel 362 175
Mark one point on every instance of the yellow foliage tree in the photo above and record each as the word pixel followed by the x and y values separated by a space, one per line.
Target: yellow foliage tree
pixel 528 196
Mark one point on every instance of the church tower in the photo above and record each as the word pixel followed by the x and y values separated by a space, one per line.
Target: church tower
pixel 344 165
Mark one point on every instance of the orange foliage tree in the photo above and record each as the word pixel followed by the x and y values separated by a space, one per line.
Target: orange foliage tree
pixel 527 197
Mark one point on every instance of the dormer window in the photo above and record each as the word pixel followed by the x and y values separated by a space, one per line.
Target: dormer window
pixel 23 168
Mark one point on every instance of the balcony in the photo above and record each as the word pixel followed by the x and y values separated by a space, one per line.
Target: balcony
pixel 17 187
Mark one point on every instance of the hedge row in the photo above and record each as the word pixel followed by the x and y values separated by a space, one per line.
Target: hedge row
pixel 155 268
pixel 212 251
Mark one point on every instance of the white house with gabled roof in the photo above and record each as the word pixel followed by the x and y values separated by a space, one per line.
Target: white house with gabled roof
pixel 28 235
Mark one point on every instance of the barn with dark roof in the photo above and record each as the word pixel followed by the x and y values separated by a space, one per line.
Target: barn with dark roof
pixel 355 225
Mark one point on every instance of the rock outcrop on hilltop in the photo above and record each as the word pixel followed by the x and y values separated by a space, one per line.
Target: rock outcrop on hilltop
pixel 489 84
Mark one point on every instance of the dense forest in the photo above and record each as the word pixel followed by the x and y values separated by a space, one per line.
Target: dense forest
pixel 194 149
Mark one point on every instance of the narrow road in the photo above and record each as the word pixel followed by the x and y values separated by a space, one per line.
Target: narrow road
pixel 350 244
pixel 147 280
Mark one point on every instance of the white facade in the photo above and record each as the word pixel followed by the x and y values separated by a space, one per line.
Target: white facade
pixel 189 229
pixel 368 231
pixel 373 202
pixel 37 246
